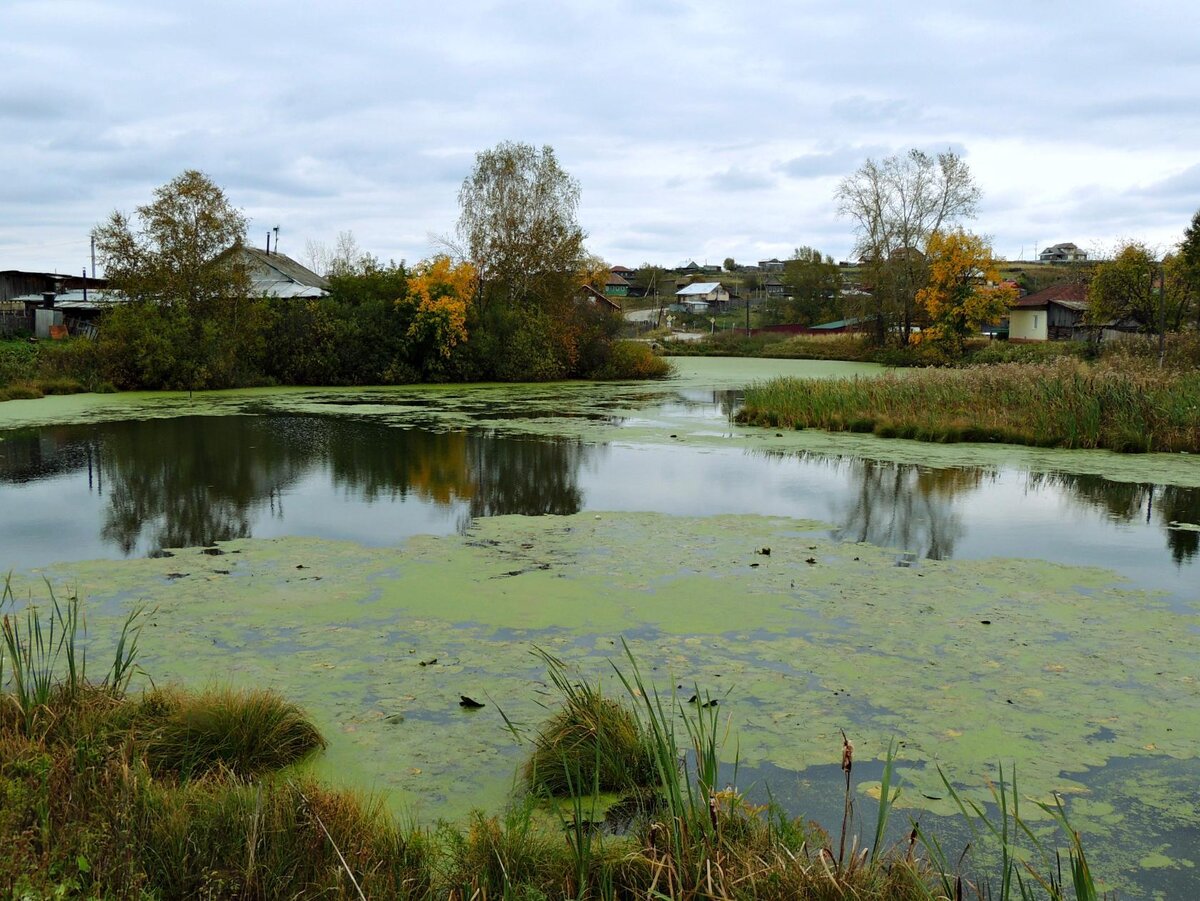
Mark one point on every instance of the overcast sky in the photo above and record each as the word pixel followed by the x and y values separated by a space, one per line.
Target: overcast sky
pixel 697 130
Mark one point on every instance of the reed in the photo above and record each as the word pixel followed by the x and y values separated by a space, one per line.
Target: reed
pixel 1065 403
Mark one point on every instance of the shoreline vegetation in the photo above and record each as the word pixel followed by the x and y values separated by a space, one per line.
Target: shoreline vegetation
pixel 171 794
pixel 1039 395
pixel 1065 404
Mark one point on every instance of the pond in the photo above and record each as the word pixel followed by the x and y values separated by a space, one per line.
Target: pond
pixel 376 553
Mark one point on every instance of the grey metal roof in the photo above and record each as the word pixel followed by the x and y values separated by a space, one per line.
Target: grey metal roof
pixel 278 275
pixel 698 288
pixel 74 300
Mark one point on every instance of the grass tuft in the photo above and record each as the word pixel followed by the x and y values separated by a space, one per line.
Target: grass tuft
pixel 242 733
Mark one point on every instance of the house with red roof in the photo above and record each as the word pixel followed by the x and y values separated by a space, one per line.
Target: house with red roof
pixel 1052 314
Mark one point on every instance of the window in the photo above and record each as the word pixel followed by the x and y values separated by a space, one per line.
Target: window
pixel 1035 322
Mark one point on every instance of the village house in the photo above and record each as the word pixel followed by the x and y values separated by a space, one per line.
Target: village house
pixel 277 275
pixel 616 286
pixel 703 297
pixel 1052 314
pixel 1063 253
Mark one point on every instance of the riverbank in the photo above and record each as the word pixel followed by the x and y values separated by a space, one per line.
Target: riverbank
pixel 1066 404
pixel 170 794
pixel 30 370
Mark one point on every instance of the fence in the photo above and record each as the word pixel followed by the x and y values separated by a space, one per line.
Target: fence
pixel 15 322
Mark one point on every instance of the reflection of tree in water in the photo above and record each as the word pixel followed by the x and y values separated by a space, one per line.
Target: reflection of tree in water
pixel 906 506
pixel 1129 501
pixel 526 476
pixel 195 480
pixel 493 474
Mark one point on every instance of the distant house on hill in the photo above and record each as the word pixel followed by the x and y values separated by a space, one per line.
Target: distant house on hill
pixel 1052 314
pixel 771 265
pixel 1063 253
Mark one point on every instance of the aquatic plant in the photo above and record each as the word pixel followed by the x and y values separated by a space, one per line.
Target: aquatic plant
pixel 1065 403
pixel 36 652
pixel 591 743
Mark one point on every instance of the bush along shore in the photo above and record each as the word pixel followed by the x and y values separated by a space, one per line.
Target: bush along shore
pixel 108 793
pixel 1066 404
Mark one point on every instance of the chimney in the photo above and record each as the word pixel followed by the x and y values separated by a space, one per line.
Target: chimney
pixel 48 299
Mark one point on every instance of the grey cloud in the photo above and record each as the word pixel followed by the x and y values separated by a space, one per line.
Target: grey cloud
pixel 736 180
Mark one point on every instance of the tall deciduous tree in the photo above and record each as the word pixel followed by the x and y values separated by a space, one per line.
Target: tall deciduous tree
pixel 963 290
pixel 174 253
pixel 1126 287
pixel 518 225
pixel 189 322
pixel 896 204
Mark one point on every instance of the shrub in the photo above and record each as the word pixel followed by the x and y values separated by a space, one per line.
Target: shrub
pixel 632 360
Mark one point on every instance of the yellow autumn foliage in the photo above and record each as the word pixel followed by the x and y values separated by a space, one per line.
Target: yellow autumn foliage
pixel 439 291
pixel 964 290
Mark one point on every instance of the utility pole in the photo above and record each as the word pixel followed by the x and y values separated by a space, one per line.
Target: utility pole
pixel 93 256
pixel 1162 314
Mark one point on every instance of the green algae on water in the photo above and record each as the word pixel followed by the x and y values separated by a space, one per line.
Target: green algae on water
pixel 1057 669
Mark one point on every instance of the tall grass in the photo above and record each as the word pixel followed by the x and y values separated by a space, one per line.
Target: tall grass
pixel 1066 404
pixel 590 742
pixel 43 655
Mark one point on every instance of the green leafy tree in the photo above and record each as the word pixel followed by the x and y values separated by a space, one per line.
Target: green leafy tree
pixel 729 264
pixel 174 251
pixel 896 204
pixel 651 279
pixel 1130 286
pixel 172 263
pixel 518 226
pixel 1185 270
pixel 813 282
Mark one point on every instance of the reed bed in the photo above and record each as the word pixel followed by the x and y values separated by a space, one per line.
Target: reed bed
pixel 166 795
pixel 1064 403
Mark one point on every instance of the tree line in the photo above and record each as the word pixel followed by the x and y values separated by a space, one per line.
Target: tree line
pixel 503 302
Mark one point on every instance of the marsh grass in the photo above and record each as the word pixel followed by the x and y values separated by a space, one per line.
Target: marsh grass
pixel 242 733
pixel 1066 404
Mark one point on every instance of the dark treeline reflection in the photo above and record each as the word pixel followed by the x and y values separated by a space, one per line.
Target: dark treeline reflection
pixel 908 506
pixel 492 474
pixel 1129 501
pixel 905 506
pixel 196 480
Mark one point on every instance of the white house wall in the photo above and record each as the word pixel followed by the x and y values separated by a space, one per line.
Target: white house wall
pixel 1027 325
